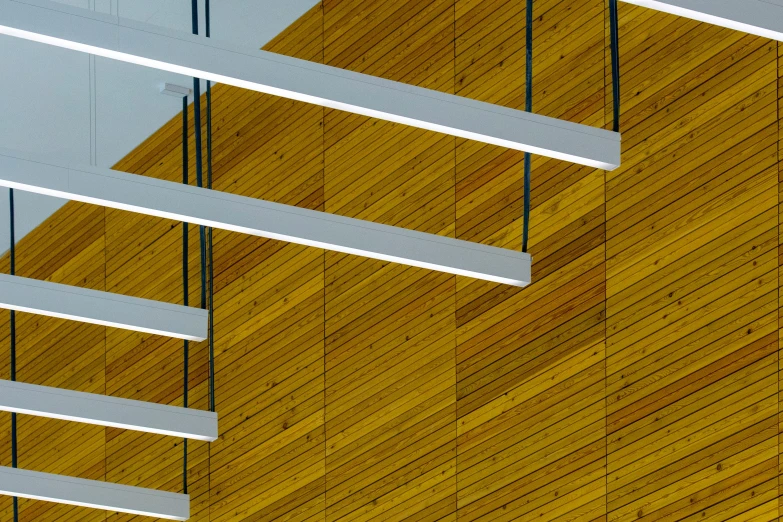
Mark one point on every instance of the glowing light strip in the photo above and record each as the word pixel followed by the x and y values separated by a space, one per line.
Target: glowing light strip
pixel 220 210
pixel 96 307
pixel 141 44
pixel 102 410
pixel 759 17
pixel 93 494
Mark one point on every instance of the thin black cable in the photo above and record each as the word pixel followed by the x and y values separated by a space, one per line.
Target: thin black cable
pixel 194 16
pixel 200 183
pixel 14 447
pixel 207 20
pixel 615 49
pixel 211 311
pixel 185 284
pixel 209 234
pixel 199 162
pixel 528 108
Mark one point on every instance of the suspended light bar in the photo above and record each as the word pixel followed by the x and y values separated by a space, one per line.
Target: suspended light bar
pixel 262 218
pixel 759 17
pixel 93 494
pixel 55 403
pixel 112 37
pixel 96 307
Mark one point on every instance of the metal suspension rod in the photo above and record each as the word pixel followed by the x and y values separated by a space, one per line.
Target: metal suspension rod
pixel 200 183
pixel 14 446
pixel 207 20
pixel 185 284
pixel 194 16
pixel 528 108
pixel 199 160
pixel 615 50
pixel 211 302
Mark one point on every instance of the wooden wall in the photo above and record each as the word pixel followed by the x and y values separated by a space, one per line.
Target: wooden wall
pixel 637 378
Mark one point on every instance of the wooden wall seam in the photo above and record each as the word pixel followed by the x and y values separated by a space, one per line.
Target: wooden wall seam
pixel 634 379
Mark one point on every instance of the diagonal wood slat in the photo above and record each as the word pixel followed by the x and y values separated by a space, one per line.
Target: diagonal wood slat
pixel 637 378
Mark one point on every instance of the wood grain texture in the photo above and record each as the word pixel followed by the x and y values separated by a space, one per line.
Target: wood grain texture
pixel 638 377
pixel 692 277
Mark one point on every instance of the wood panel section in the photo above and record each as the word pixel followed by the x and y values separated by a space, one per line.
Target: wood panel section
pixel 390 336
pixel 531 434
pixel 638 377
pixel 692 276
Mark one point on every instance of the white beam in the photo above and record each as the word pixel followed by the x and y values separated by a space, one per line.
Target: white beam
pixel 96 307
pixel 102 410
pixel 215 209
pixel 93 494
pixel 115 38
pixel 759 17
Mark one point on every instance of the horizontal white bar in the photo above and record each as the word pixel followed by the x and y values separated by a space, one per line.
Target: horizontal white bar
pixel 215 209
pixel 96 307
pixel 129 41
pixel 90 408
pixel 93 494
pixel 759 17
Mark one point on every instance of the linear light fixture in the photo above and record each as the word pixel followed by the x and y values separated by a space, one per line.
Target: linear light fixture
pixel 215 209
pixel 96 307
pixel 102 410
pixel 142 44
pixel 759 17
pixel 93 494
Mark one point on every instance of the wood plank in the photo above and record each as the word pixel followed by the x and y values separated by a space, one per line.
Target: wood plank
pixel 636 378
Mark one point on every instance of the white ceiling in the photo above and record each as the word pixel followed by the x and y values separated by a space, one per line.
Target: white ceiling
pixel 91 110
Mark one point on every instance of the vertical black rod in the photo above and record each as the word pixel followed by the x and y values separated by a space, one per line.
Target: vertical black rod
pixel 207 19
pixel 529 56
pixel 200 183
pixel 211 265
pixel 194 16
pixel 528 108
pixel 14 450
pixel 184 224
pixel 199 160
pixel 185 284
pixel 13 246
pixel 12 234
pixel 615 49
pixel 209 233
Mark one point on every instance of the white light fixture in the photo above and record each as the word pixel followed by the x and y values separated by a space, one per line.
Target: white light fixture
pixel 93 494
pixel 142 44
pixel 102 410
pixel 759 17
pixel 215 209
pixel 96 307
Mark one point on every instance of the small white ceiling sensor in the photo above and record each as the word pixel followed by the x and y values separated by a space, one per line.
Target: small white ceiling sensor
pixel 172 89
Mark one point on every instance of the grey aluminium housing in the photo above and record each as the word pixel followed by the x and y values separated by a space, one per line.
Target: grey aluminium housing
pixel 146 45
